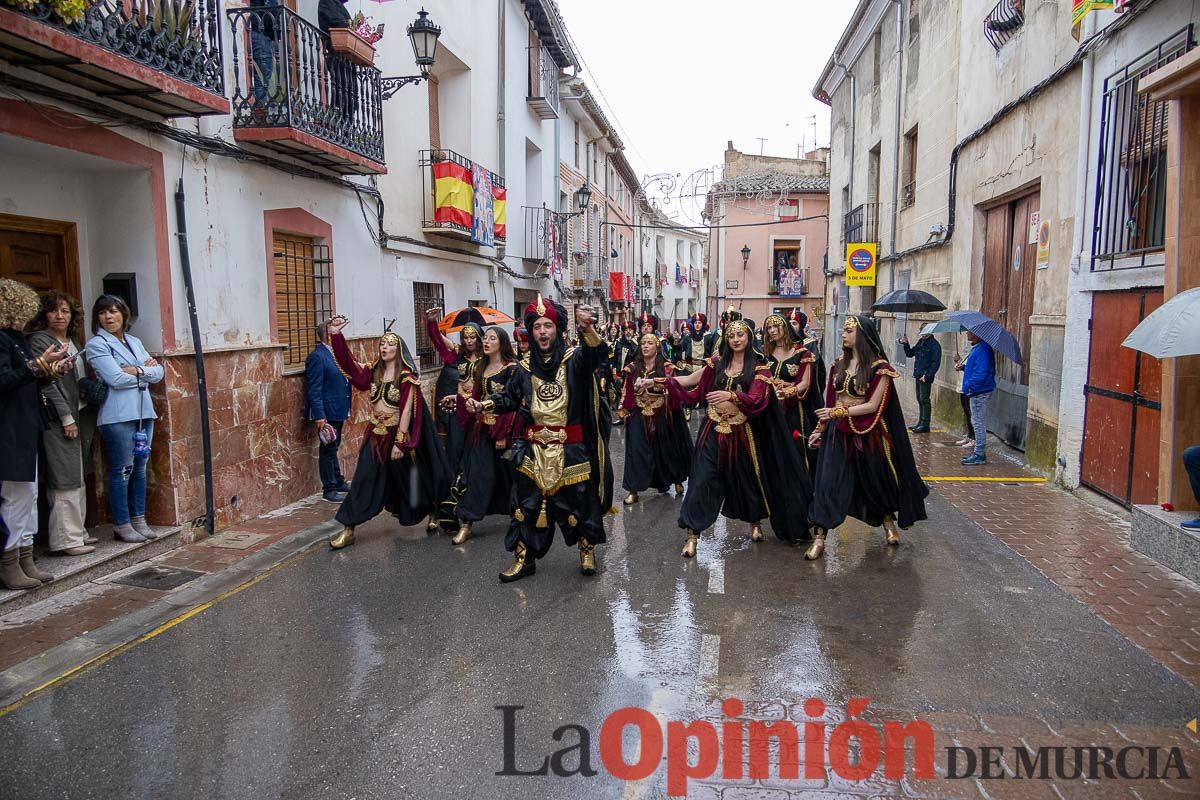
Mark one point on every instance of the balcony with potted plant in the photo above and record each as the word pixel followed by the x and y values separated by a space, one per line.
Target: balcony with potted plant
pixel 298 96
pixel 161 57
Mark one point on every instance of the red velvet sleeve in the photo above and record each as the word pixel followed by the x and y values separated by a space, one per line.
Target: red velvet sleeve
pixel 830 394
pixel 461 413
pixel 628 395
pixel 754 400
pixel 806 369
pixel 359 375
pixel 412 390
pixel 684 396
pixel 447 355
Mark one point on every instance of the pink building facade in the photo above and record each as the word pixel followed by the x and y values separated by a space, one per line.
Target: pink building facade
pixel 769 236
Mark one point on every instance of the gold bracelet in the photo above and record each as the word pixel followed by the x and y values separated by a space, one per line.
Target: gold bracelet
pixel 839 412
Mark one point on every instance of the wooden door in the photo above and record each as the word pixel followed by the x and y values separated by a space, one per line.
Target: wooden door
pixel 39 252
pixel 1119 456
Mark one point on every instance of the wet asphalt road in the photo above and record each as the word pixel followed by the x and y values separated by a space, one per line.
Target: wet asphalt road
pixel 374 672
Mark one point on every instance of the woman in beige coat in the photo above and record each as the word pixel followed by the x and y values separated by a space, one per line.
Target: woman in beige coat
pixel 68 436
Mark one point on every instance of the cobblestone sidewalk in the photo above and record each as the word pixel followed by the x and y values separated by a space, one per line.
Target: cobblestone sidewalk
pixel 1079 546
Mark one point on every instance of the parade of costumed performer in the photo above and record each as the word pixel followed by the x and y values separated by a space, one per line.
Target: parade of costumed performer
pixel 865 467
pixel 694 343
pixel 564 476
pixel 794 381
pixel 658 444
pixel 712 342
pixel 728 468
pixel 484 483
pixel 454 382
pixel 401 467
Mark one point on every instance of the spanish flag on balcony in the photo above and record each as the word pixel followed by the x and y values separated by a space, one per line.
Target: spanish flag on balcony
pixel 454 195
pixel 500 210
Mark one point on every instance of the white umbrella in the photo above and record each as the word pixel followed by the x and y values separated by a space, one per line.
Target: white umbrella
pixel 1173 329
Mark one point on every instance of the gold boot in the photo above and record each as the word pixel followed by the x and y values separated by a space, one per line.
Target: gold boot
pixel 893 533
pixel 631 498
pixel 432 525
pixel 689 548
pixel 679 489
pixel 756 533
pixel 464 533
pixel 587 557
pixel 815 549
pixel 343 539
pixel 522 566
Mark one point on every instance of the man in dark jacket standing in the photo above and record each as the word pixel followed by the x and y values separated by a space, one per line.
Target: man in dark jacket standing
pixel 328 400
pixel 928 354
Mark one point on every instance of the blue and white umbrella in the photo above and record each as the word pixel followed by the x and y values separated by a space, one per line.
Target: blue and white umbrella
pixel 992 332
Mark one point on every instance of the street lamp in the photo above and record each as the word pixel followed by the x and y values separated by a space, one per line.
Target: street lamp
pixel 424 37
pixel 745 256
pixel 583 197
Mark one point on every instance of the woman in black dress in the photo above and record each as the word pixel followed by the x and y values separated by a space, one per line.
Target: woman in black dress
pixel 726 475
pixel 453 384
pixel 866 468
pixel 401 466
pixel 658 445
pixel 793 381
pixel 485 478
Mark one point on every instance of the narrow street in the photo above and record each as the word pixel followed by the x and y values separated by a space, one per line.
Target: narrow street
pixel 376 671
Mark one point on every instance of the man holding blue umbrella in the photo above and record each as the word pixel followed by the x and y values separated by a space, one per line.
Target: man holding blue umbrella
pixel 979 381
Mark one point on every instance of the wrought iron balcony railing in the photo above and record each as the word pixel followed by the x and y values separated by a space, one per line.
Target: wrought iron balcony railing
pixel 122 49
pixel 861 224
pixel 545 235
pixel 543 83
pixel 448 187
pixel 1003 22
pixel 295 95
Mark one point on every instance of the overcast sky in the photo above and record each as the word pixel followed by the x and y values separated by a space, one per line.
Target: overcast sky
pixel 684 76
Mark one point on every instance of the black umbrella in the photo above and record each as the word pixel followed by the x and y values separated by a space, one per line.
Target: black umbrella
pixel 906 301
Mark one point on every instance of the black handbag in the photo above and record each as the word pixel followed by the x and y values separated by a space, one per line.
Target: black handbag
pixel 93 391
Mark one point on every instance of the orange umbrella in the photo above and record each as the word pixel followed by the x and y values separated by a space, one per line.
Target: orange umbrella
pixel 482 316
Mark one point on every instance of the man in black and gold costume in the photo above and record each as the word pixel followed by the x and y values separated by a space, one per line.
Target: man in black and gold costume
pixel 564 476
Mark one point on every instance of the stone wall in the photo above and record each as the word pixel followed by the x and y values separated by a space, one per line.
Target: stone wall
pixel 264 450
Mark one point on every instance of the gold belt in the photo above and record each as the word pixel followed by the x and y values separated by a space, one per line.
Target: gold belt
pixel 546 436
pixel 381 422
pixel 725 423
pixel 649 404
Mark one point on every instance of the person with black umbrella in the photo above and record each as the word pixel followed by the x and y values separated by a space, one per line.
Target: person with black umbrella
pixel 928 354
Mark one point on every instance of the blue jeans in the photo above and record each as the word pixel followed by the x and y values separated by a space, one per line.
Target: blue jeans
pixel 327 460
pixel 262 68
pixel 126 472
pixel 979 404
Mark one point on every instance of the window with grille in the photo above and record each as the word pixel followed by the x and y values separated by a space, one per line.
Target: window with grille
pixel 1131 184
pixel 425 296
pixel 303 294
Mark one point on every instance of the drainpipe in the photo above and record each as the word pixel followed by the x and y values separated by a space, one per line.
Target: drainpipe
pixel 1084 149
pixel 185 266
pixel 896 145
pixel 849 180
pixel 494 271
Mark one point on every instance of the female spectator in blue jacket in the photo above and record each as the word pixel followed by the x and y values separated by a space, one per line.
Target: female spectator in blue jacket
pixel 979 381
pixel 126 420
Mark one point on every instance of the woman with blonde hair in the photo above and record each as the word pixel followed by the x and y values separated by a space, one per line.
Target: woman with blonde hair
pixel 20 426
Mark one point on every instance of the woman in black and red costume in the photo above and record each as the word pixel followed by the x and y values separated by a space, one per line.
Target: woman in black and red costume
pixel 866 468
pixel 485 478
pixel 658 444
pixel 454 383
pixel 794 382
pixel 742 468
pixel 401 466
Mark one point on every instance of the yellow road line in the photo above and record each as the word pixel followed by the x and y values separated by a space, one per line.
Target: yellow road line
pixel 112 653
pixel 983 479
